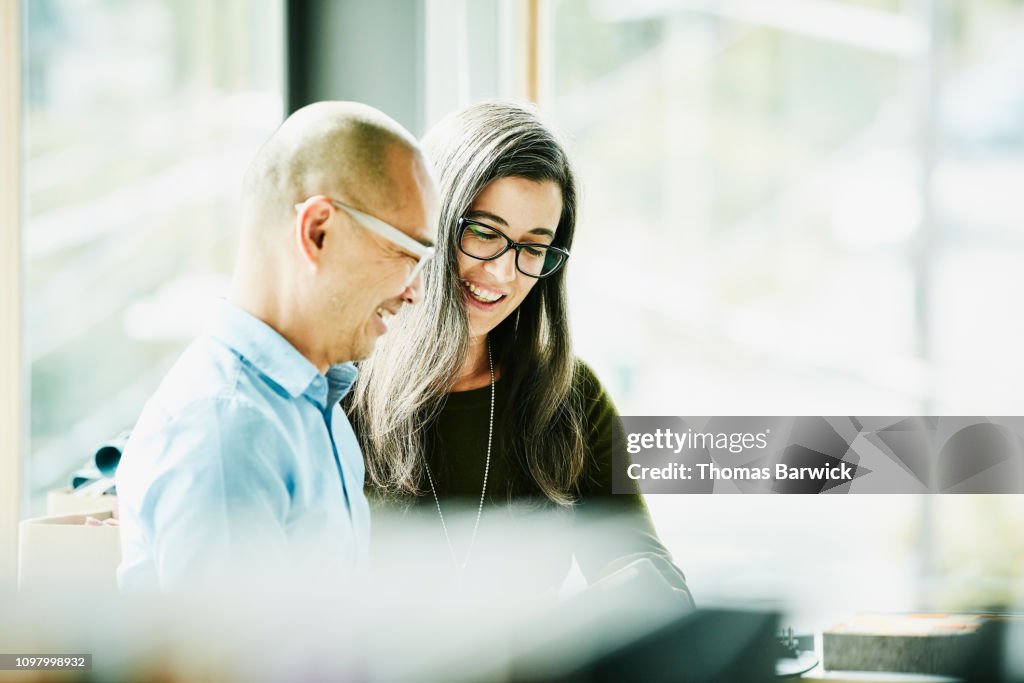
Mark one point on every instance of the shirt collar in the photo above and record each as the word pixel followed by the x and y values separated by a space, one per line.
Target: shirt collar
pixel 340 379
pixel 265 349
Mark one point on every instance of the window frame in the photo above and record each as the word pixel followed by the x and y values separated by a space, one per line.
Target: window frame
pixel 12 370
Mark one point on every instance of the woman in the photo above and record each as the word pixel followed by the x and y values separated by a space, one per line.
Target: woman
pixel 475 393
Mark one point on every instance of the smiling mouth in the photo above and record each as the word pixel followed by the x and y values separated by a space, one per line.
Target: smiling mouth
pixel 484 296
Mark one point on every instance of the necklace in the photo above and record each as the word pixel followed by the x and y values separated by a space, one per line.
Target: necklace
pixel 483 491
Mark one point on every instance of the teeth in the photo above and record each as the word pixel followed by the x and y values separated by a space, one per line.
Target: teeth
pixel 482 294
pixel 384 313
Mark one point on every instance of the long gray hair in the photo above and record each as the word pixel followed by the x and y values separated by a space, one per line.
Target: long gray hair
pixel 404 385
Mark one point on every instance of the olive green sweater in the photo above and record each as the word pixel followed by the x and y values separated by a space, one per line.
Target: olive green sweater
pixel 456 448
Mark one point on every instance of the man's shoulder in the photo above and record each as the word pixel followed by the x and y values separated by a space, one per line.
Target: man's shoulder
pixel 208 372
pixel 208 401
pixel 210 391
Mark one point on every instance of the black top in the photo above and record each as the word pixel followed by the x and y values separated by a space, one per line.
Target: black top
pixel 603 530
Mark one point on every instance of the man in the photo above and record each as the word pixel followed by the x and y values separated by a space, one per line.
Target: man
pixel 243 461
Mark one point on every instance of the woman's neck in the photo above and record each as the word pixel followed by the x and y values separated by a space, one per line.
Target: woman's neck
pixel 476 369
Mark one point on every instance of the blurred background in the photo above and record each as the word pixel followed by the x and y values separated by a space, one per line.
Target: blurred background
pixel 789 207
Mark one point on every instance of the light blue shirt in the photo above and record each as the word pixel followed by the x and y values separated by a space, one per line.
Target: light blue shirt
pixel 242 458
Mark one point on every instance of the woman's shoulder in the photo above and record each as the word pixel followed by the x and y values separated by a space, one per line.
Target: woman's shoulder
pixel 598 415
pixel 584 377
pixel 589 389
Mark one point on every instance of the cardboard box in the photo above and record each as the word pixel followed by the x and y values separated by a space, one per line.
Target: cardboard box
pixel 957 645
pixel 64 502
pixel 61 553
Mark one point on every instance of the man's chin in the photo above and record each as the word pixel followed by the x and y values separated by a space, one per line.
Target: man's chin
pixel 364 349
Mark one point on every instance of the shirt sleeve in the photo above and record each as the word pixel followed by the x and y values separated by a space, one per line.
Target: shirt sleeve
pixel 612 530
pixel 218 499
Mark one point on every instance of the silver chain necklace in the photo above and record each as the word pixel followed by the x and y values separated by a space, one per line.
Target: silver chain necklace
pixel 483 491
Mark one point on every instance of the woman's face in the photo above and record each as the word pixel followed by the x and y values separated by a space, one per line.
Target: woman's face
pixel 526 211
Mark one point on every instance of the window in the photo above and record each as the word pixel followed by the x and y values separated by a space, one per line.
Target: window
pixel 140 120
pixel 824 202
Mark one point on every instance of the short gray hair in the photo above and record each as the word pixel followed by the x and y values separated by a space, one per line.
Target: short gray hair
pixel 335 148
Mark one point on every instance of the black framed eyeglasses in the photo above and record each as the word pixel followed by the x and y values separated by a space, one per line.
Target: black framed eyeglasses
pixel 487 243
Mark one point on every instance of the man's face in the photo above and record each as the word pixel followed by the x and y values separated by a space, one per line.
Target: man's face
pixel 367 274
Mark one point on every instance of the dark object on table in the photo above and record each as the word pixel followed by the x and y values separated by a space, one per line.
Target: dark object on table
pixel 704 646
pixel 634 626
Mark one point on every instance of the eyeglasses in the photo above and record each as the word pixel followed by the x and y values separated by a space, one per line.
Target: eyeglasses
pixel 486 243
pixel 389 232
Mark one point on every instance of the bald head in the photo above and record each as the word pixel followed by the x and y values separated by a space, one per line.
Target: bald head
pixel 328 278
pixel 346 150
